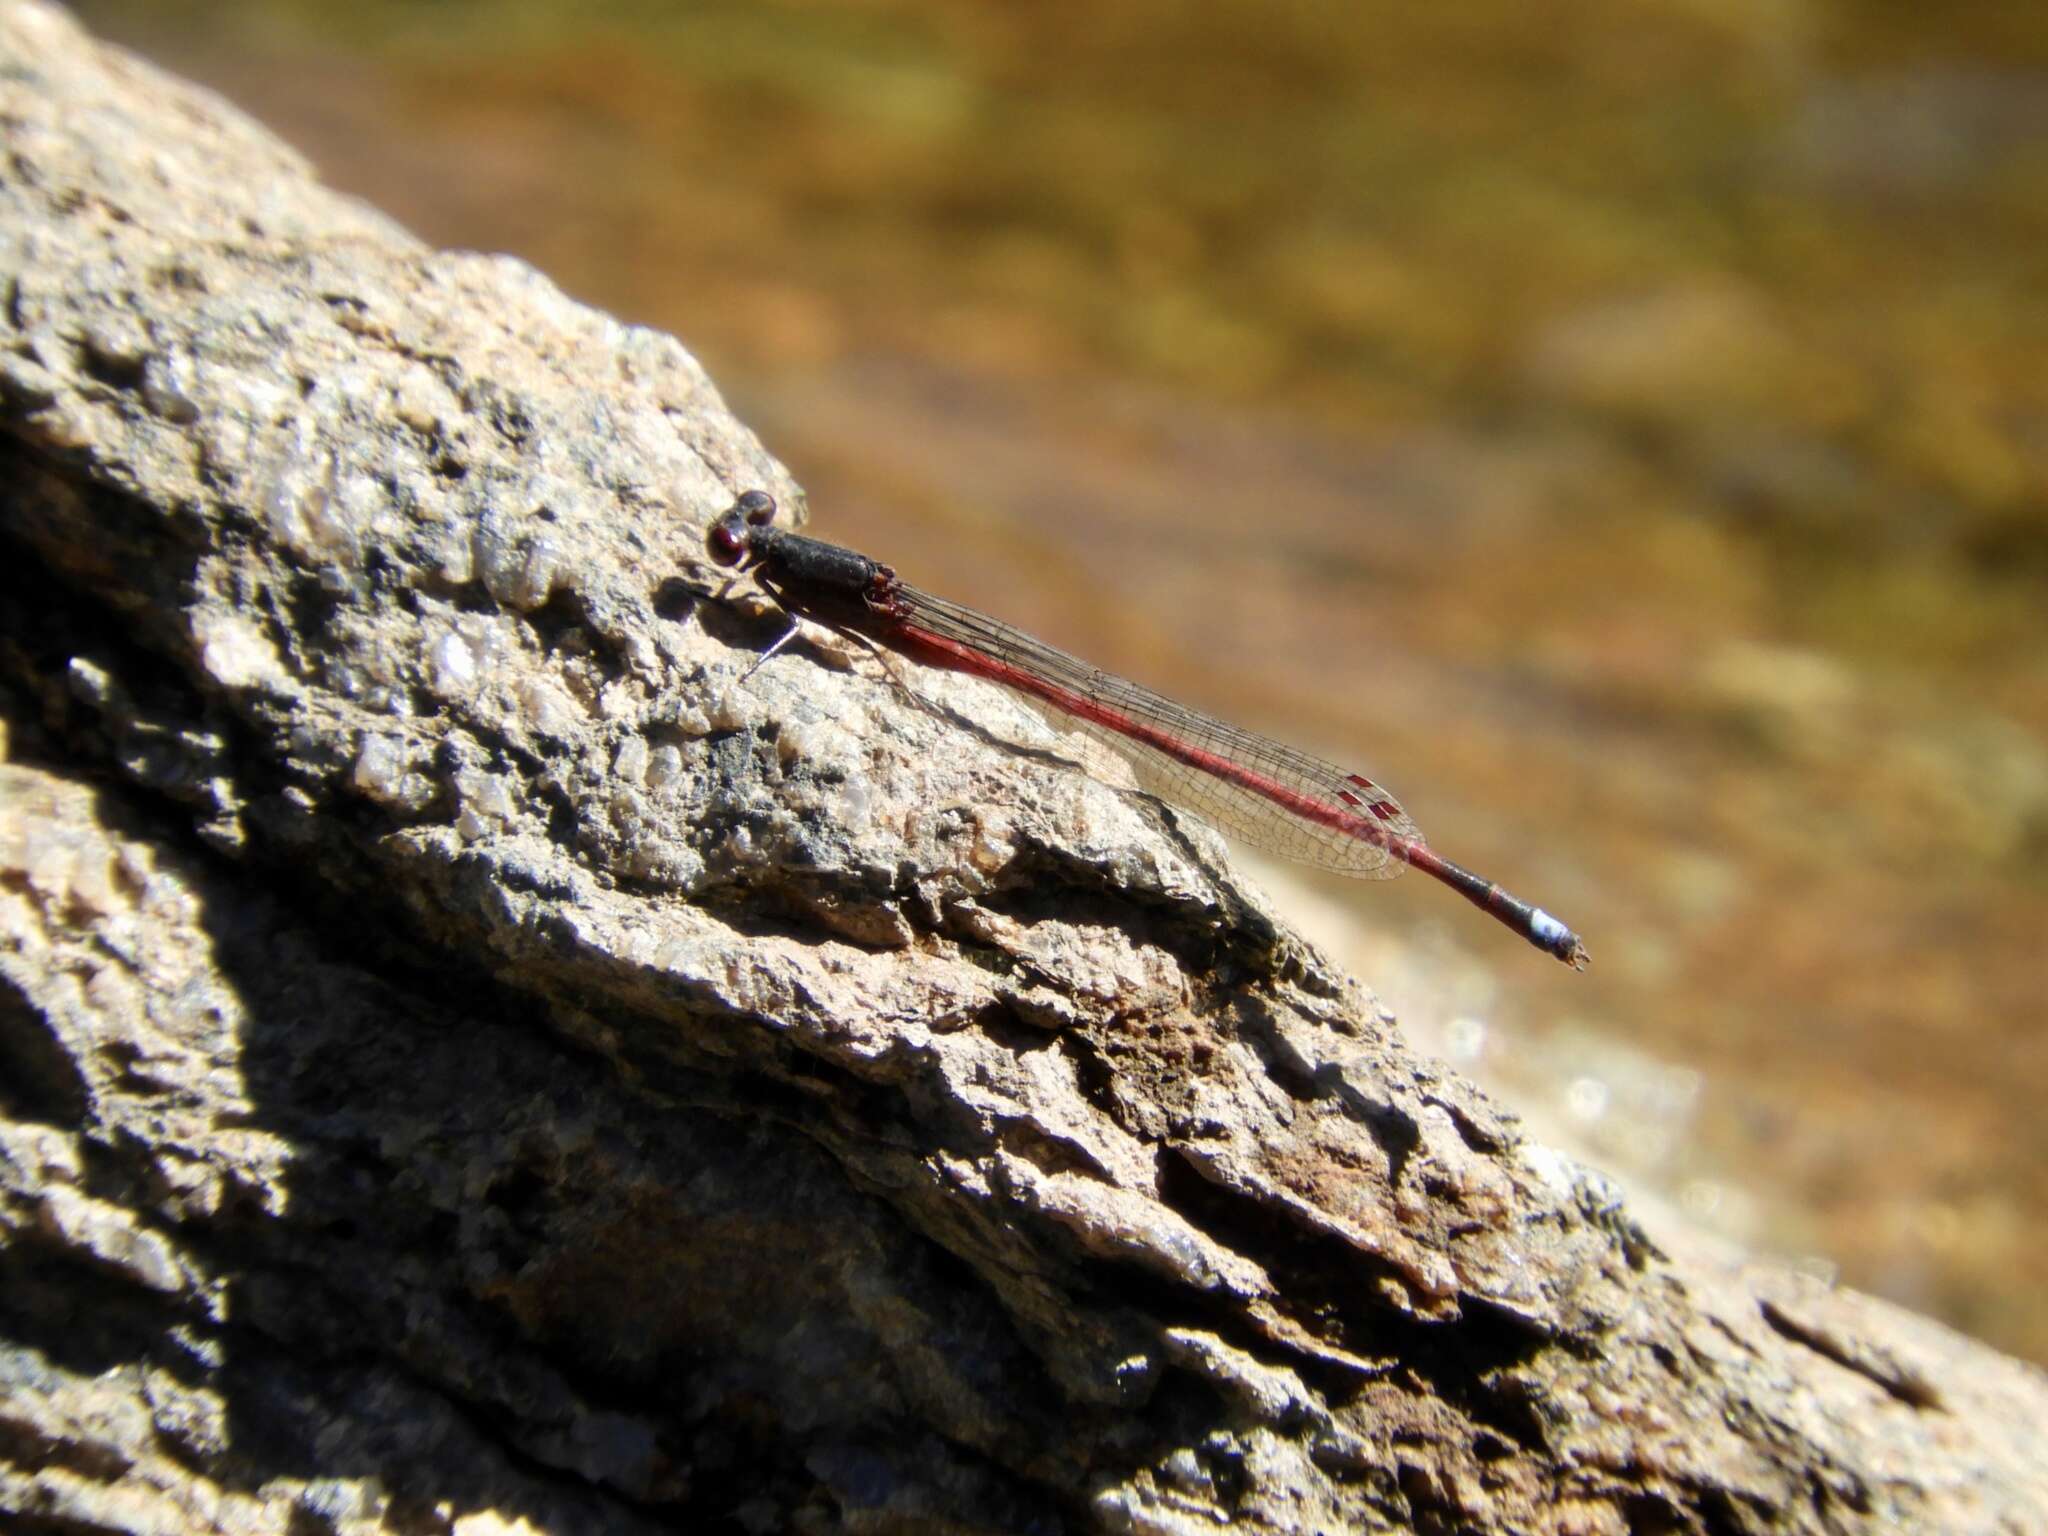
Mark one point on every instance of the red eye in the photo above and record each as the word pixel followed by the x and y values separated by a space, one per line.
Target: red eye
pixel 725 542
pixel 730 541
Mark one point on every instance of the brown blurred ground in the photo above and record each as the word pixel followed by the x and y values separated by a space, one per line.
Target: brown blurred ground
pixel 1622 428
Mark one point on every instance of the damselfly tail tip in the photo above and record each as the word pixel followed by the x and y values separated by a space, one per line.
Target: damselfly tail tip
pixel 1554 938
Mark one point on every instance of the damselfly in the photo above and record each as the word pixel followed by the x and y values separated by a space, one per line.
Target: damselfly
pixel 1250 786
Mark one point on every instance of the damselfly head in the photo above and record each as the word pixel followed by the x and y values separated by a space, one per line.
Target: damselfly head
pixel 729 541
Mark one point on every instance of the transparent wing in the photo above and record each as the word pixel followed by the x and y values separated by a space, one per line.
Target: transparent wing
pixel 1252 787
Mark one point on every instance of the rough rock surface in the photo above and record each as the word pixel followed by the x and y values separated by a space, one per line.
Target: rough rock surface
pixel 468 1058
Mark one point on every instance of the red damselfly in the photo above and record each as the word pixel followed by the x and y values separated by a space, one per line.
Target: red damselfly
pixel 1250 786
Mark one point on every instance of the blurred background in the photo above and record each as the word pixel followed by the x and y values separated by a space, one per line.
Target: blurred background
pixel 1623 428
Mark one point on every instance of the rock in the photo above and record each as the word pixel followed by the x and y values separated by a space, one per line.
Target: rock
pixel 471 1058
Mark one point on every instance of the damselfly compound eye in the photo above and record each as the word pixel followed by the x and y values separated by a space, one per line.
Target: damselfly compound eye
pixel 727 541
